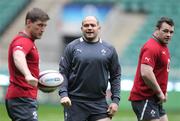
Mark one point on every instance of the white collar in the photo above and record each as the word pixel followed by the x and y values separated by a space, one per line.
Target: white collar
pixel 81 40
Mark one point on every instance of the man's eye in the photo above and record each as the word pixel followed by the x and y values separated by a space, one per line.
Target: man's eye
pixel 41 25
pixel 89 25
pixel 86 25
pixel 166 31
pixel 171 32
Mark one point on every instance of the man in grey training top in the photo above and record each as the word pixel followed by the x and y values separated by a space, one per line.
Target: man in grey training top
pixel 88 64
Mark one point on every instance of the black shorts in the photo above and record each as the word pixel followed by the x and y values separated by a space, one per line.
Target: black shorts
pixel 147 109
pixel 86 111
pixel 22 109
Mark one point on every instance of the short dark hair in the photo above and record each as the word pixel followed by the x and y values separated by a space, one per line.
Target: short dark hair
pixel 164 20
pixel 36 14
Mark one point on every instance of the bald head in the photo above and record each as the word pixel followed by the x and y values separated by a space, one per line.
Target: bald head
pixel 90 28
pixel 90 18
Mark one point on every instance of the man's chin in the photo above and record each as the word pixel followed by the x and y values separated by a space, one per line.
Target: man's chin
pixel 38 37
pixel 166 42
pixel 90 38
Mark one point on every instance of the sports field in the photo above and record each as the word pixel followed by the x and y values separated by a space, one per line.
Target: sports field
pixel 55 113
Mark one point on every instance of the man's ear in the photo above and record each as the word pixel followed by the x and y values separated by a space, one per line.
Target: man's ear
pixel 157 28
pixel 28 21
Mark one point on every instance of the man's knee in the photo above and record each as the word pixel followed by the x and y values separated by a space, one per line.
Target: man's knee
pixel 105 119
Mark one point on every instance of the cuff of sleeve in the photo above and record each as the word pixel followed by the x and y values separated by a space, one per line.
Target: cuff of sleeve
pixel 116 100
pixel 63 94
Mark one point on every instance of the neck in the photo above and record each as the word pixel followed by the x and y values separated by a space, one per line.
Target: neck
pixel 27 35
pixel 154 36
pixel 26 32
pixel 93 40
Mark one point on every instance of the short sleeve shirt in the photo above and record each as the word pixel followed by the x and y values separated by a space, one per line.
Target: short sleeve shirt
pixel 18 86
pixel 158 57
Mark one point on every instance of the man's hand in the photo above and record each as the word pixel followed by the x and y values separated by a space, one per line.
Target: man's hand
pixel 31 80
pixel 65 101
pixel 112 109
pixel 162 97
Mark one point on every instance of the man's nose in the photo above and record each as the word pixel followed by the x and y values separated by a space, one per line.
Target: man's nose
pixel 89 27
pixel 43 28
pixel 169 34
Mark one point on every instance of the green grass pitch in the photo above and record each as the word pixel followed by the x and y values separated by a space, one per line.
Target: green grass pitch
pixel 55 113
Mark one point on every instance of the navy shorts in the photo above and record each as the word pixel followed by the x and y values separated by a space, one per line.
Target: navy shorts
pixel 22 109
pixel 86 111
pixel 147 109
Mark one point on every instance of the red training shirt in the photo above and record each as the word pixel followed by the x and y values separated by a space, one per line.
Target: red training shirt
pixel 158 57
pixel 18 85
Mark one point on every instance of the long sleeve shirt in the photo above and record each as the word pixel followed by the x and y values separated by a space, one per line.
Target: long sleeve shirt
pixel 87 68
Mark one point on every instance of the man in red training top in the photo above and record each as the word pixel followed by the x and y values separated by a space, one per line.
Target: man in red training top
pixel 149 91
pixel 23 63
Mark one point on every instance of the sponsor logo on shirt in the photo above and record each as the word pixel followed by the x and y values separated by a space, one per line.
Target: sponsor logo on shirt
pixel 147 59
pixel 78 50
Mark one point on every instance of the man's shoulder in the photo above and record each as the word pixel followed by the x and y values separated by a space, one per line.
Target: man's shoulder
pixel 151 44
pixel 74 42
pixel 22 36
pixel 72 45
pixel 20 39
pixel 107 44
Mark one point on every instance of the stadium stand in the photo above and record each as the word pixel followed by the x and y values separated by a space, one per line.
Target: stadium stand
pixel 100 1
pixel 9 10
pixel 155 10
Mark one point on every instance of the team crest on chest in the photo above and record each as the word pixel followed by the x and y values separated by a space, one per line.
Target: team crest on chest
pixel 103 52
